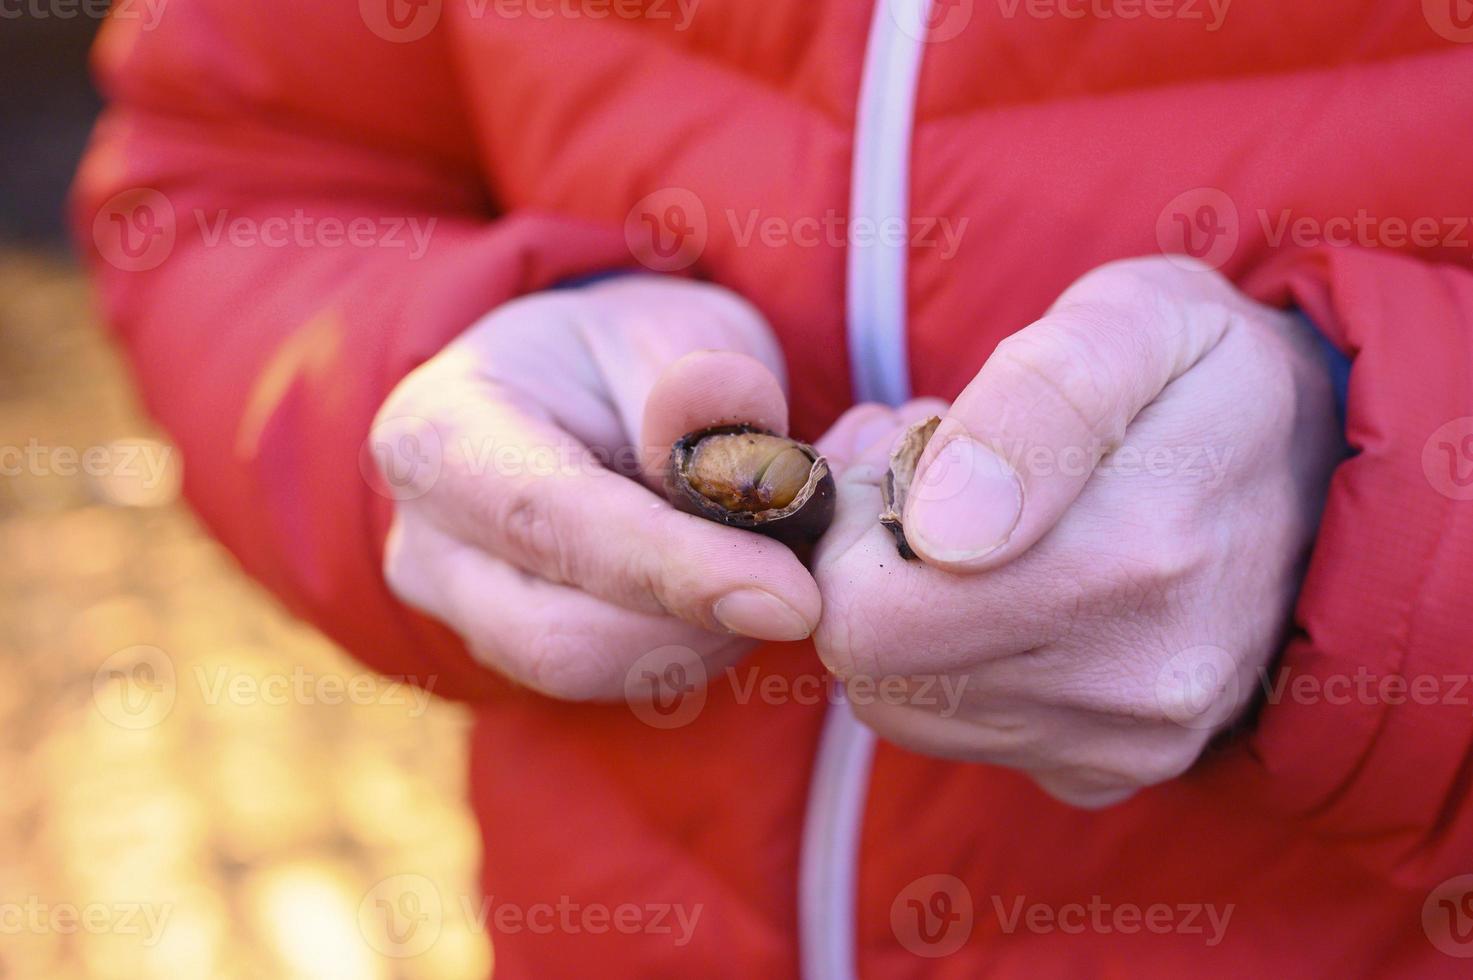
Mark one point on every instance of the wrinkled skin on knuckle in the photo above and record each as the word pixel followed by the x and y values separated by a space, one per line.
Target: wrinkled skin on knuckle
pixel 847 641
pixel 1081 792
pixel 529 532
pixel 410 397
pixel 1152 756
pixel 568 664
pixel 1153 279
pixel 861 624
pixel 400 572
pixel 1159 754
pixel 1064 376
pixel 1155 573
pixel 666 585
pixel 1163 764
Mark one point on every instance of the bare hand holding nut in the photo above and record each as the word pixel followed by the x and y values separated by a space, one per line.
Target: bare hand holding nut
pixel 1111 522
pixel 544 541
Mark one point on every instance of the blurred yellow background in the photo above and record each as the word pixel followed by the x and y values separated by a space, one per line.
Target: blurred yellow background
pixel 191 783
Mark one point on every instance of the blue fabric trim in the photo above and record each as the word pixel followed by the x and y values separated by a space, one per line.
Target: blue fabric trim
pixel 588 280
pixel 1338 364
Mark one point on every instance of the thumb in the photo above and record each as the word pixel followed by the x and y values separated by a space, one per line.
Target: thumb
pixel 703 389
pixel 1023 438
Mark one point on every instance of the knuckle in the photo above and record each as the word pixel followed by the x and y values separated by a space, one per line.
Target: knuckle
pixel 1160 561
pixel 1082 792
pixel 530 533
pixel 398 570
pixel 1132 278
pixel 877 717
pixel 570 665
pixel 403 398
pixel 1152 766
pixel 1110 292
pixel 402 570
pixel 1062 367
pixel 854 630
pixel 672 582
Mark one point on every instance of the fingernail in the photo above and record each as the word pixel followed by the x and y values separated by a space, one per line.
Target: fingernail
pixel 760 615
pixel 965 503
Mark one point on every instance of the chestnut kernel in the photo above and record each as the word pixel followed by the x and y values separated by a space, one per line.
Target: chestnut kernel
pixel 742 476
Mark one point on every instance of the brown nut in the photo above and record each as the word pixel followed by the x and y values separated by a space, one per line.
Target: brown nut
pixel 895 487
pixel 742 476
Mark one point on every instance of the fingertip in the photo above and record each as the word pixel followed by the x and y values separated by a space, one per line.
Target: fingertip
pixel 922 408
pixel 709 388
pixel 965 504
pixel 1080 794
pixel 857 431
pixel 757 613
pixel 735 580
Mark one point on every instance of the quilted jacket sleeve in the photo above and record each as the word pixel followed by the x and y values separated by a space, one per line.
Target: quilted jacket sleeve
pixel 277 236
pixel 1369 727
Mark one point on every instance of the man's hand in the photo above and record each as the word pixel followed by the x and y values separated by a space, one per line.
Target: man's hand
pixel 1112 521
pixel 540 537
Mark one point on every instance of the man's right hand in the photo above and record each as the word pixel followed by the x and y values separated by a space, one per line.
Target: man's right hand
pixel 542 537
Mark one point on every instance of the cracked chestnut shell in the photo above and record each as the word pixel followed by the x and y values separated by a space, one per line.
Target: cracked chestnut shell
pixel 895 487
pixel 743 476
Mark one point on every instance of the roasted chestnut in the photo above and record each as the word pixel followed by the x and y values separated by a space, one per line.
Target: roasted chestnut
pixel 742 476
pixel 895 486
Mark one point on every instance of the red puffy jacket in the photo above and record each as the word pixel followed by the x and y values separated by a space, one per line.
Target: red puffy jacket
pixel 1317 152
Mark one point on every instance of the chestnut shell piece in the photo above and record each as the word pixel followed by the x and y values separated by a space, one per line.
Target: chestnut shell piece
pixel 798 524
pixel 895 487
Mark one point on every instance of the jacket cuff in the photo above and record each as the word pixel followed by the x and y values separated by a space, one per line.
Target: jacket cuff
pixel 1368 730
